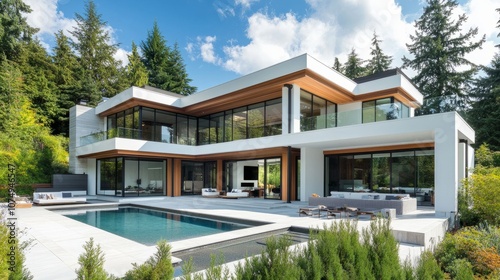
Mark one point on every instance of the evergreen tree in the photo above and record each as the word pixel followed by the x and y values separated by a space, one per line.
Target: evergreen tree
pixel 439 48
pixel 136 71
pixel 485 111
pixel 100 71
pixel 38 76
pixel 66 79
pixel 379 61
pixel 166 69
pixel 177 69
pixel 353 68
pixel 14 29
pixel 155 54
pixel 91 263
pixel 337 65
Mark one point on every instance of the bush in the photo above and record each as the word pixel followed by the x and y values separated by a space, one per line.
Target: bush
pixel 158 266
pixel 91 263
pixel 483 187
pixel 18 270
pixel 428 268
pixel 276 262
pixel 478 245
pixel 461 269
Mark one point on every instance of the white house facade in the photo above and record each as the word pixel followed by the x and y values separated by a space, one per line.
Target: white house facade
pixel 284 132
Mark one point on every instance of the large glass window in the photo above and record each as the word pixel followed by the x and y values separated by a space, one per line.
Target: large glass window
pixel 131 177
pixel 316 112
pixel 198 175
pixel 384 109
pixel 256 120
pixel 240 123
pixel 148 124
pixel 165 123
pixel 410 172
pixel 273 120
pixel 381 173
pixel 306 113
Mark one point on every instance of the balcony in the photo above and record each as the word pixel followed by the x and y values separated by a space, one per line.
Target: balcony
pixel 120 132
pixel 169 135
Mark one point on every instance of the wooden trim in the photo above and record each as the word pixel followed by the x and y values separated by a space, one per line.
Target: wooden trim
pixel 220 174
pixel 177 177
pixel 169 177
pixel 396 92
pixel 381 148
pixel 133 102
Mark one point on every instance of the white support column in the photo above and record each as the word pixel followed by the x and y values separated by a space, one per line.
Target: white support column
pixel 294 115
pixel 311 172
pixel 446 170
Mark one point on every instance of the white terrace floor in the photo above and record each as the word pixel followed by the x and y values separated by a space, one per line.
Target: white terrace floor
pixel 58 240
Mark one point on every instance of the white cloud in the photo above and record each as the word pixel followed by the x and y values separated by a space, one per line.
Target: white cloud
pixel 333 28
pixel 207 50
pixel 245 3
pixel 48 19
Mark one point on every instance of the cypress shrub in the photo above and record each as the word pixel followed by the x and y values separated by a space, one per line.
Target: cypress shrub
pixel 158 266
pixel 91 263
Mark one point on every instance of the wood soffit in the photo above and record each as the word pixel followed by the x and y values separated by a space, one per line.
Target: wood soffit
pixel 381 149
pixel 252 154
pixel 272 89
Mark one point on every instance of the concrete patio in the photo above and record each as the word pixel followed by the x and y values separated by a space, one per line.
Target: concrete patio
pixel 58 240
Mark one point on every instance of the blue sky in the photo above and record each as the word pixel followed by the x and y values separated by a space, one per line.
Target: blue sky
pixel 224 39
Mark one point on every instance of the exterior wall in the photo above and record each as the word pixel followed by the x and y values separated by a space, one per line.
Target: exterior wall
pixel 82 121
pixel 311 172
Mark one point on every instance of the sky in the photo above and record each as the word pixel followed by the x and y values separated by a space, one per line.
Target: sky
pixel 221 40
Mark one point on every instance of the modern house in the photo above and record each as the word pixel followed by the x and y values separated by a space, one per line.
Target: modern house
pixel 284 132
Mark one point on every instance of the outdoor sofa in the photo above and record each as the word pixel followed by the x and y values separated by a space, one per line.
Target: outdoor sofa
pixel 51 198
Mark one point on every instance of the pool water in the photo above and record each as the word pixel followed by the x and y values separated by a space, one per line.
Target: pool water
pixel 148 226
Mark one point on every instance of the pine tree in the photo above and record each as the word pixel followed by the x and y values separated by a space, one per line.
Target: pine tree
pixel 166 69
pixel 136 71
pixel 485 111
pixel 337 65
pixel 100 70
pixel 14 28
pixel 353 68
pixel 439 48
pixel 177 69
pixel 66 79
pixel 155 54
pixel 379 61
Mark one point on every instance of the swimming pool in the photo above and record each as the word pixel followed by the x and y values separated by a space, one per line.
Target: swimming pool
pixel 147 226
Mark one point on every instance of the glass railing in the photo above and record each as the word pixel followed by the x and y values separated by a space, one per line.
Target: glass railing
pixel 344 118
pixel 112 133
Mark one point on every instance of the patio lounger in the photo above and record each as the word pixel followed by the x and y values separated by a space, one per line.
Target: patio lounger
pixel 309 211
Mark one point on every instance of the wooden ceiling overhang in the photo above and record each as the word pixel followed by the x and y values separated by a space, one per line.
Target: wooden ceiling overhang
pixel 306 79
pixel 239 155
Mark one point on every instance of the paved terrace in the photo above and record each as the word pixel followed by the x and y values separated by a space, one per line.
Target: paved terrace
pixel 58 240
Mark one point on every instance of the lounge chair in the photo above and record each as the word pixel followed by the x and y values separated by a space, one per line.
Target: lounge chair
pixel 309 211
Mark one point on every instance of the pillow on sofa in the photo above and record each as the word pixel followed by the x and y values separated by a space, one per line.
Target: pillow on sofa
pixel 66 194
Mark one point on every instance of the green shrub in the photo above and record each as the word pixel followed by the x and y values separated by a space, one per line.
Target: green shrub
pixel 428 268
pixel 461 269
pixel 276 262
pixel 91 263
pixel 483 187
pixel 15 270
pixel 383 250
pixel 158 266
